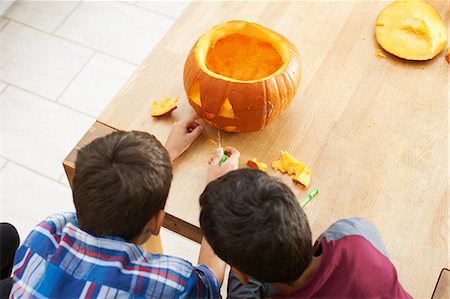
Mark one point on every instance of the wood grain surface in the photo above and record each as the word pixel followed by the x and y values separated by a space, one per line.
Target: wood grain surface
pixel 374 131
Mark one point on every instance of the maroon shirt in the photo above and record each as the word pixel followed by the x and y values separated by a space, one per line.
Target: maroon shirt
pixel 354 264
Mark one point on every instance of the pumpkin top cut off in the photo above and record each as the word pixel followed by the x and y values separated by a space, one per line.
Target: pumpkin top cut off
pixel 411 29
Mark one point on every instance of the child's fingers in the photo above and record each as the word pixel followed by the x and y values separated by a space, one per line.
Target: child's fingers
pixel 217 157
pixel 231 151
pixel 191 119
pixel 233 157
pixel 195 132
pixel 193 125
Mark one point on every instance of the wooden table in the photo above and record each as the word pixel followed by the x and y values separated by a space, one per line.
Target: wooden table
pixel 374 131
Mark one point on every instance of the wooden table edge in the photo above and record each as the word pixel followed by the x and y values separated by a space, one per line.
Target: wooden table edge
pixel 442 284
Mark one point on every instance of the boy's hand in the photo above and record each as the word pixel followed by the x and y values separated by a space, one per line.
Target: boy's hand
pixel 181 136
pixel 216 169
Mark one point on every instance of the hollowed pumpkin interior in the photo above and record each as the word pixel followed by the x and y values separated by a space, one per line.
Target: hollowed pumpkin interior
pixel 240 51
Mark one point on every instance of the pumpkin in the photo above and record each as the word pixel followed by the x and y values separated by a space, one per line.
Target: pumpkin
pixel 164 107
pixel 411 30
pixel 290 165
pixel 447 56
pixel 304 178
pixel 253 163
pixel 240 76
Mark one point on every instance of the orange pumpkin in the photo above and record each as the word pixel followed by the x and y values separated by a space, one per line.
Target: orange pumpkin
pixel 240 76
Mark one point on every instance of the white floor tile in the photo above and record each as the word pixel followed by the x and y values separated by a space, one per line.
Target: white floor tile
pixel 223 290
pixel 97 84
pixel 39 62
pixel 44 15
pixel 27 198
pixel 3 22
pixel 176 245
pixel 119 29
pixel 171 9
pixel 3 86
pixel 2 162
pixel 38 133
pixel 64 180
pixel 5 5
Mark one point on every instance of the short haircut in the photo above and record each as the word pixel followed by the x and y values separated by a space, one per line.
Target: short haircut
pixel 254 223
pixel 120 182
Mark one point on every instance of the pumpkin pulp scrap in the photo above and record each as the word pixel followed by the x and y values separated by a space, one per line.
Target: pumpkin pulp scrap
pixel 243 57
pixel 253 163
pixel 164 107
pixel 411 29
pixel 290 165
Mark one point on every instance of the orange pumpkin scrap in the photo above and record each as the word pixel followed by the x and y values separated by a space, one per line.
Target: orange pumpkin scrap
pixel 164 107
pixel 379 53
pixel 447 56
pixel 256 165
pixel 290 165
pixel 240 76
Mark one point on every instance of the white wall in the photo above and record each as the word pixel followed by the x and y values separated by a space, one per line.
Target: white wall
pixel 4 5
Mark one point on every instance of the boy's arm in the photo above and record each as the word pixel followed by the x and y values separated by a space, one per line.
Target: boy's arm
pixel 181 136
pixel 216 169
pixel 208 258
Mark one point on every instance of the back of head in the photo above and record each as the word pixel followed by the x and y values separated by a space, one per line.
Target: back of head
pixel 120 182
pixel 254 223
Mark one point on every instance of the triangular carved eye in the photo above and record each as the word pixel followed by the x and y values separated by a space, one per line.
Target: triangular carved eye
pixel 226 110
pixel 194 94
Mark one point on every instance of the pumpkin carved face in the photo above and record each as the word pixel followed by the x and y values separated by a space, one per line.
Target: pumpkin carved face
pixel 240 76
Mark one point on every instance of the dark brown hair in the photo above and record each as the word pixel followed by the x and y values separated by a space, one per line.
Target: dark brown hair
pixel 120 182
pixel 255 223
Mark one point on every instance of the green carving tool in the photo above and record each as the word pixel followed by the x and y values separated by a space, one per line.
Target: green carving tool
pixel 309 197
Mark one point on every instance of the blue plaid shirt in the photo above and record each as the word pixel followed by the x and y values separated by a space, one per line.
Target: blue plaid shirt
pixel 59 260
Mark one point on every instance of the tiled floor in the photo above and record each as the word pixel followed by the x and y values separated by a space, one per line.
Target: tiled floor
pixel 61 63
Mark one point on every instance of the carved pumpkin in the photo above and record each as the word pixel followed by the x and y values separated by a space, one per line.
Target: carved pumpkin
pixel 240 76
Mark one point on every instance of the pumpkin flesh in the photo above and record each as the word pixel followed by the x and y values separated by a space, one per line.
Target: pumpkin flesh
pixel 243 58
pixel 164 107
pixel 411 29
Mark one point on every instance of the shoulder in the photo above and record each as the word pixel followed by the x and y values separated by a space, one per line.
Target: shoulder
pixel 355 226
pixel 180 276
pixel 46 235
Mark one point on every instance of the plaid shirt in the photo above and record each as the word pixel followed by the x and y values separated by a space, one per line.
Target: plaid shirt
pixel 60 260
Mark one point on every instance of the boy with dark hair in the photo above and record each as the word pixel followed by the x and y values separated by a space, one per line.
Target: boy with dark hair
pixel 256 225
pixel 120 187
